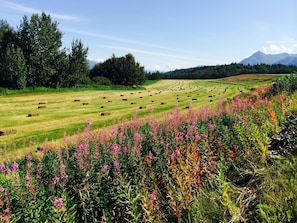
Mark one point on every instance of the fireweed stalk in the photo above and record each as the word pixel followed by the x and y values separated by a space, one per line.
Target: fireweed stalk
pixel 168 165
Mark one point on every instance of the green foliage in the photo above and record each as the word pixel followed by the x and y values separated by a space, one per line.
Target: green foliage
pixel 32 56
pixel 286 84
pixel 99 80
pixel 120 71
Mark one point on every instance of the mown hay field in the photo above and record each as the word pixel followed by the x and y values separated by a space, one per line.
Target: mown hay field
pixel 27 120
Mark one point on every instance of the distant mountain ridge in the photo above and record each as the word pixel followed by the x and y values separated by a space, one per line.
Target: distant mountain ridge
pixel 262 58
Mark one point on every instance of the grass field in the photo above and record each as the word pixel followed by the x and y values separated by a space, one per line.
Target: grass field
pixel 26 120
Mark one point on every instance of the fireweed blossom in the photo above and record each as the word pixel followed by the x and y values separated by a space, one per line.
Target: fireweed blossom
pixel 80 146
pixel 124 149
pixel 114 147
pixel 88 123
pixel 177 152
pixel 153 197
pixel 14 166
pixel 55 180
pixel 58 203
pixel 105 167
pixel 150 156
pixel 210 126
pixel 2 166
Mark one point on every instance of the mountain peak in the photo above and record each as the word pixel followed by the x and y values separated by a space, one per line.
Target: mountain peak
pixel 262 58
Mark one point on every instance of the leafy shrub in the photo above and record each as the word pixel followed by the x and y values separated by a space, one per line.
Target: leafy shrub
pixel 99 80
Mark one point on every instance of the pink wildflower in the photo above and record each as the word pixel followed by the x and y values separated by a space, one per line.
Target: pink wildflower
pixel 8 171
pixel 27 177
pixel 210 126
pixel 203 136
pixel 124 149
pixel 114 147
pixel 153 197
pixel 58 203
pixel 80 146
pixel 55 180
pixel 105 167
pixel 2 166
pixel 177 152
pixel 14 166
pixel 29 158
pixel 150 156
pixel 88 123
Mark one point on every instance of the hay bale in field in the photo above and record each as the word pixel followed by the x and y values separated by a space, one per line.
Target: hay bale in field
pixel 41 106
pixel 131 93
pixel 109 101
pixel 140 97
pixel 210 96
pixel 122 95
pixel 104 97
pixel 105 113
pixel 187 107
pixel 163 103
pixel 194 99
pixel 153 101
pixel 210 100
pixel 8 132
pixel 102 106
pixel 132 103
pixel 41 103
pixel 33 114
pixel 76 100
pixel 85 103
pixel 180 101
pixel 125 99
pixel 142 107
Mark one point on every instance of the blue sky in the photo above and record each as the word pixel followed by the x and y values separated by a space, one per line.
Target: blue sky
pixel 169 34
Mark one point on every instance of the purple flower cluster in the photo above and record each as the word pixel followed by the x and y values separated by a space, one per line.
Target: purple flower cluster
pixel 58 203
pixel 14 166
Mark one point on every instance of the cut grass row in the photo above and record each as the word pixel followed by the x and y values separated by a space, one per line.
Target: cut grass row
pixel 67 111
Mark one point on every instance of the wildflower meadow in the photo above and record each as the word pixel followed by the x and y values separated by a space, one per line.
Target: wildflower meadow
pixel 229 162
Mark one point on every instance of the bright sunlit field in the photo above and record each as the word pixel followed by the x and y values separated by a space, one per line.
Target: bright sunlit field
pixel 26 120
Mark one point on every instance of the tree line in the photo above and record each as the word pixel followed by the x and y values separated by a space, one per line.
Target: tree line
pixel 220 71
pixel 32 56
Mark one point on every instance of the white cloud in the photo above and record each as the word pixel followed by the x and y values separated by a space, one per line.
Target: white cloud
pixel 275 47
pixel 25 9
pixel 171 66
pixel 98 60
